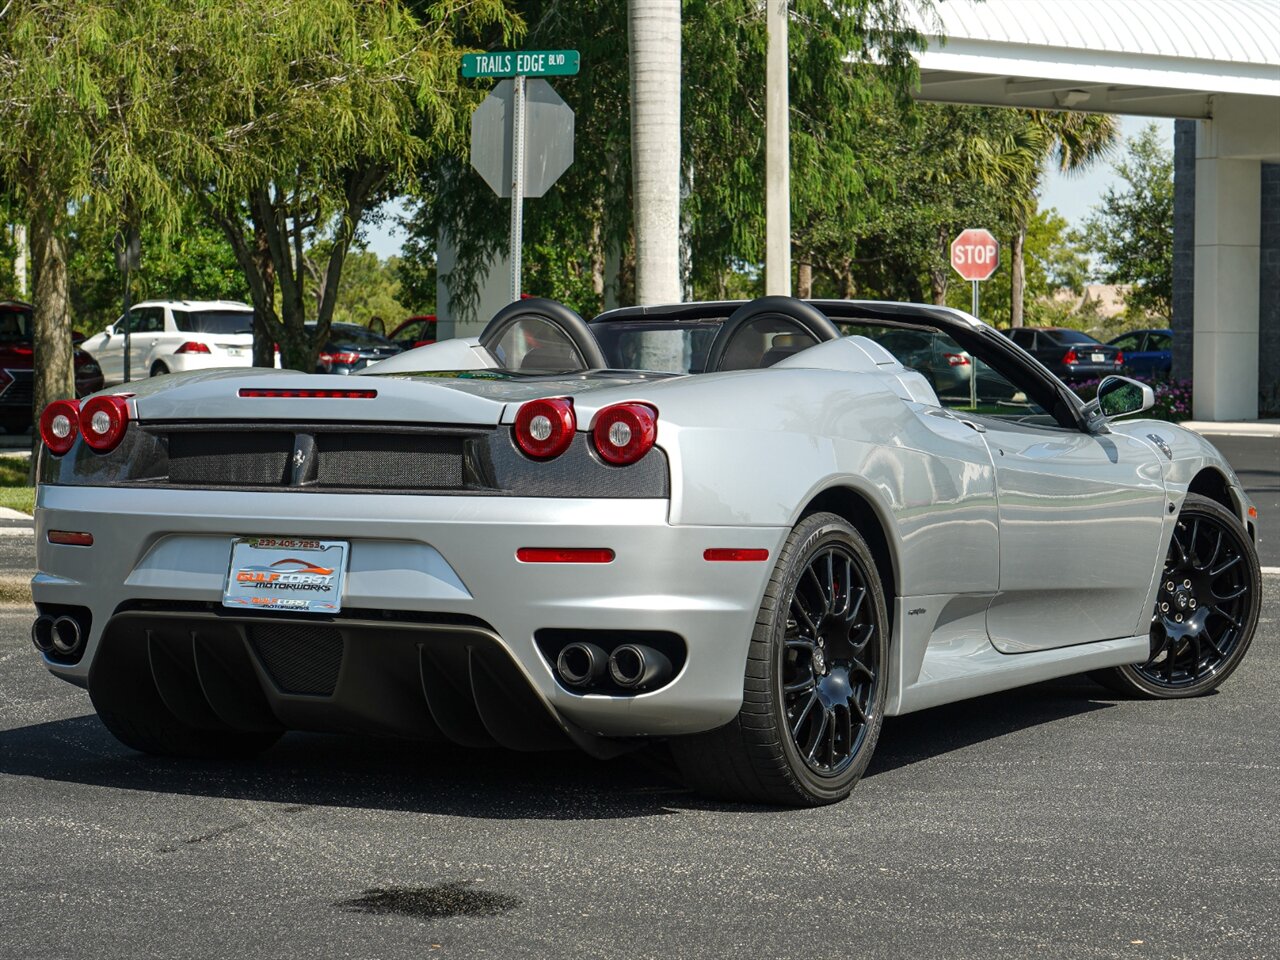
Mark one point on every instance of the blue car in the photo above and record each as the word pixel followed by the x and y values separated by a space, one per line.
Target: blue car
pixel 1147 353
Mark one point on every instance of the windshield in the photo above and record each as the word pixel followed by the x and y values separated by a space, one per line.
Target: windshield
pixel 15 323
pixel 214 321
pixel 348 336
pixel 1071 336
pixel 666 346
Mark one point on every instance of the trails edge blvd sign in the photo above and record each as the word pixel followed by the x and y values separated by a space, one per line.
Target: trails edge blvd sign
pixel 529 63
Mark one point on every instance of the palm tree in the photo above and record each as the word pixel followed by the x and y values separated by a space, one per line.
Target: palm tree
pixel 1074 141
pixel 654 35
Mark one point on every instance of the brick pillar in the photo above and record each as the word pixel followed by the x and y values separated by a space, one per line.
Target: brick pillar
pixel 1269 294
pixel 1184 246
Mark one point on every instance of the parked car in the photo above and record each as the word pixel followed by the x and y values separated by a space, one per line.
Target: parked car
pixel 17 367
pixel 757 563
pixel 1072 355
pixel 1147 353
pixel 419 331
pixel 171 336
pixel 351 347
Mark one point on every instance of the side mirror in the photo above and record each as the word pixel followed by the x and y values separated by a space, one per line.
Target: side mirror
pixel 1119 397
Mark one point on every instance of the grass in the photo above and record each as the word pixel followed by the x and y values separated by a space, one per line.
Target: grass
pixel 16 493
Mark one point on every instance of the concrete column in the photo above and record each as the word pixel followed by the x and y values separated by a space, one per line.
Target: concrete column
pixel 1228 228
pixel 453 319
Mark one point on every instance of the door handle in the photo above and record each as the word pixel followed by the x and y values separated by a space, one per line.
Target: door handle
pixel 972 425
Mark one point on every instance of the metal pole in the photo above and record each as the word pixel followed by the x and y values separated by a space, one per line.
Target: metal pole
pixel 777 262
pixel 973 361
pixel 128 323
pixel 517 184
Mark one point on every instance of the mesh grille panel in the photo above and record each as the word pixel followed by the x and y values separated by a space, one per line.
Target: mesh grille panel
pixel 226 457
pixel 403 462
pixel 300 659
pixel 23 388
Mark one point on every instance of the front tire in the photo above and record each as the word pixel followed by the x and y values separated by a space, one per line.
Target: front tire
pixel 813 698
pixel 1207 608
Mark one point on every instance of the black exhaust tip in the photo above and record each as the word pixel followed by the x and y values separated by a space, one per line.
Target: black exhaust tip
pixel 42 633
pixel 67 636
pixel 582 664
pixel 634 665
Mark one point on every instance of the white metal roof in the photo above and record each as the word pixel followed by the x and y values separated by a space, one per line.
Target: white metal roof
pixel 1156 57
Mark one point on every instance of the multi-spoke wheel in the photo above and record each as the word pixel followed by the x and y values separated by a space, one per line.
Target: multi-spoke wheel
pixel 815 686
pixel 1206 607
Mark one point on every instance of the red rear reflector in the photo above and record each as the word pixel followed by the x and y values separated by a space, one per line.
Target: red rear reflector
pixel 1253 513
pixel 735 553
pixel 307 394
pixel 193 346
pixel 564 555
pixel 71 539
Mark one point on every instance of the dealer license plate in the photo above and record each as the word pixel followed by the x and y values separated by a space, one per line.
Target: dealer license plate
pixel 286 573
pixel 1098 357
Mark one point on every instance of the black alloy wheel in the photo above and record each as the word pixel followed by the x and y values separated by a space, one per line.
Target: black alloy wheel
pixel 1206 611
pixel 829 668
pixel 814 691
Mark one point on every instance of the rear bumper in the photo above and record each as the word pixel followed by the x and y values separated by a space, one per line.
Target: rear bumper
pixel 432 563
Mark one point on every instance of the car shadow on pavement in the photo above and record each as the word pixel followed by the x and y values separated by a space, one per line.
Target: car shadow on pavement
pixel 330 770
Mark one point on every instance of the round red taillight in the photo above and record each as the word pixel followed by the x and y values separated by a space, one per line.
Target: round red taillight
pixel 544 428
pixel 103 421
pixel 58 426
pixel 625 432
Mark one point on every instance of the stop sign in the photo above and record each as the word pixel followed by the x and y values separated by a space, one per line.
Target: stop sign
pixel 975 254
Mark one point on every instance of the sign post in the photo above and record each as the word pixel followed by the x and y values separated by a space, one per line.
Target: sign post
pixel 975 254
pixel 497 141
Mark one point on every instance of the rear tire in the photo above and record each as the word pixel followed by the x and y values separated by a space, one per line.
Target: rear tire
pixel 820 644
pixel 158 369
pixel 1206 609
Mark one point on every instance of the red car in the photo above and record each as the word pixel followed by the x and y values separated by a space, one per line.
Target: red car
pixel 16 374
pixel 415 332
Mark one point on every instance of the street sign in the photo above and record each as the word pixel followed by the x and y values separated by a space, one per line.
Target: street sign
pixel 529 63
pixel 548 140
pixel 975 254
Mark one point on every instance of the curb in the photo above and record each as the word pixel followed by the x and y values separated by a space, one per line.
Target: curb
pixel 1243 428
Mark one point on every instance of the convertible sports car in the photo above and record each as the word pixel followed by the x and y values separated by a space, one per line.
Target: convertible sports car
pixel 745 529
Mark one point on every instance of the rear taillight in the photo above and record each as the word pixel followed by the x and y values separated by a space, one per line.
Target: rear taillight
pixel 544 428
pixel 625 432
pixel 423 343
pixel 338 358
pixel 193 346
pixel 1119 357
pixel 59 424
pixel 103 421
pixel 1071 357
pixel 957 359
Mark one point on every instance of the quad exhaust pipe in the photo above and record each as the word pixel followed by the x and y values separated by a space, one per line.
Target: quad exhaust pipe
pixel 42 633
pixel 60 636
pixel 582 664
pixel 632 666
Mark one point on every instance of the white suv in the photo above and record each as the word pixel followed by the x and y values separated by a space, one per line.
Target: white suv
pixel 168 336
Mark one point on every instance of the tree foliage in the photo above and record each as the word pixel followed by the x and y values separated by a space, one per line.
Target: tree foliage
pixel 1132 228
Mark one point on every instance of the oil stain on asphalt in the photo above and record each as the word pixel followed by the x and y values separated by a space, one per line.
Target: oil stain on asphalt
pixel 455 899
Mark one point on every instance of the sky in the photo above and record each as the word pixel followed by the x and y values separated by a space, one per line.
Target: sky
pixel 1073 195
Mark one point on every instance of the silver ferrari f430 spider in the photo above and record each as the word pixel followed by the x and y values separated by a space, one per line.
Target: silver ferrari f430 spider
pixel 750 531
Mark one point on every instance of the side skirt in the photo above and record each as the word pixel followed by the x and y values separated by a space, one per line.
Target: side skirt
pixel 942 654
